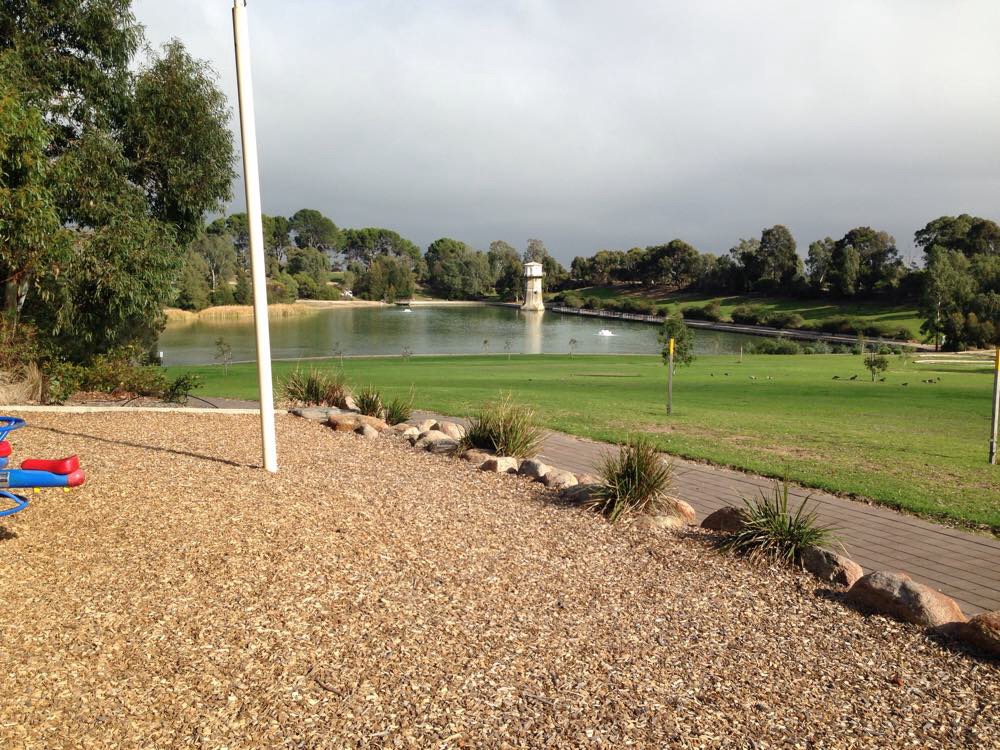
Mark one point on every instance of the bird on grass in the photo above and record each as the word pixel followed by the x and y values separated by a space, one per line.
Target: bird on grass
pixel 881 380
pixel 904 383
pixel 853 377
pixel 836 377
pixel 753 377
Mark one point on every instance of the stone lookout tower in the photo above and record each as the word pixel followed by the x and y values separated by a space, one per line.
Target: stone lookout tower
pixel 533 287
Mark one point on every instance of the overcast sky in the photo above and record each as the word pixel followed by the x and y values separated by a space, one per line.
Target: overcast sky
pixel 614 124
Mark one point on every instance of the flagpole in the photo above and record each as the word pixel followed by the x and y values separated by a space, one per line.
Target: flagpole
pixel 251 183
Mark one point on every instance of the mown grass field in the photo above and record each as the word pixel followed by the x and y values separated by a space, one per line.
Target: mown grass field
pixel 810 310
pixel 921 446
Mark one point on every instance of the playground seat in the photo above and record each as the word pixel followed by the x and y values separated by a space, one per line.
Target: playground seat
pixel 4 449
pixel 61 466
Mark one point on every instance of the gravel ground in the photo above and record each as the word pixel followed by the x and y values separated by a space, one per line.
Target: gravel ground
pixel 373 596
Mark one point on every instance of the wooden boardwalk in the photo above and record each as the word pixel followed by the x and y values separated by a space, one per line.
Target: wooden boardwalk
pixel 963 565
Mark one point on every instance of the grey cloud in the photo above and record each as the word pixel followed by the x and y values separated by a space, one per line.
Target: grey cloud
pixel 614 124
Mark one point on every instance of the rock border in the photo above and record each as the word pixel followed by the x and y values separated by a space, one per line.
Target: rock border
pixel 892 594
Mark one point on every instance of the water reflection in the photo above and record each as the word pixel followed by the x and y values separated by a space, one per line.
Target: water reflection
pixel 425 330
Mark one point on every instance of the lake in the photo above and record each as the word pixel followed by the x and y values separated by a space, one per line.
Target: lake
pixel 425 330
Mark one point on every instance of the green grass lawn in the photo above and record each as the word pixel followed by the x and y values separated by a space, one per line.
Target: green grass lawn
pixel 810 310
pixel 920 447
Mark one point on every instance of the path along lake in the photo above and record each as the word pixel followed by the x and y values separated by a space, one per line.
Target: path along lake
pixel 358 331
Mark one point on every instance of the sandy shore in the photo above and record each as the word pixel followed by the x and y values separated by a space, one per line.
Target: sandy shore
pixel 372 596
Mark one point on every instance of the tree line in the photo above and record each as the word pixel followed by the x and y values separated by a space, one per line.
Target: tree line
pixel 957 289
pixel 309 257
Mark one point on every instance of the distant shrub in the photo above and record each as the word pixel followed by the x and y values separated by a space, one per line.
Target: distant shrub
pixel 772 532
pixel 712 311
pixel 571 299
pixel 505 428
pixel 178 389
pixel 820 347
pixel 593 303
pixel 775 346
pixel 853 326
pixel 638 306
pixel 752 315
pixel 314 387
pixel 780 319
pixel 369 402
pixel 633 481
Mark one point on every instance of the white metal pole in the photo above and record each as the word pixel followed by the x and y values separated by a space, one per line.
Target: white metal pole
pixel 996 407
pixel 251 182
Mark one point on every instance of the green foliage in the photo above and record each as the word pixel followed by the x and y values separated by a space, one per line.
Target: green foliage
pixel 635 480
pixel 182 386
pixel 674 328
pixel 387 279
pixel 117 372
pixel 369 401
pixel 134 157
pixel 243 291
pixel 178 141
pixel 876 363
pixel 399 409
pixel 753 315
pixel 774 533
pixel 712 311
pixel 314 387
pixel 961 296
pixel 365 245
pixel 783 320
pixel 223 353
pixel 505 428
pixel 282 288
pixel 774 346
pixel 506 270
pixel 193 292
pixel 313 229
pixel 456 271
pixel 864 261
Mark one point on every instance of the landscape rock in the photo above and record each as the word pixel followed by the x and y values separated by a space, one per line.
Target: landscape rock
pixel 426 425
pixel 349 404
pixel 830 567
pixel 532 467
pixel 442 446
pixel 661 522
pixel 558 479
pixel 366 431
pixel 681 509
pixel 587 479
pixel 315 413
pixel 580 493
pixel 728 520
pixel 425 439
pixel 378 424
pixel 899 596
pixel 500 464
pixel 475 455
pixel 982 631
pixel 409 432
pixel 452 430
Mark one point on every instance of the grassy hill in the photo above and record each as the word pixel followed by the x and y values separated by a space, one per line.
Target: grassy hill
pixel 811 310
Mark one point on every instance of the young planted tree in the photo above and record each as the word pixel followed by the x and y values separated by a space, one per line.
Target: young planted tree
pixel 876 363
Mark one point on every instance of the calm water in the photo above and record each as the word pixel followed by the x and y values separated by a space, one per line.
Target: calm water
pixel 425 330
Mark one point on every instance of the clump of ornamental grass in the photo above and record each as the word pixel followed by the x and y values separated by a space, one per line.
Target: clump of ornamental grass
pixel 314 387
pixel 635 480
pixel 773 532
pixel 504 428
pixel 399 409
pixel 369 402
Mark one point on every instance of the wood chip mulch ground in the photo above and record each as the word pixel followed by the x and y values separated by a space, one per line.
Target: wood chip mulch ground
pixel 373 596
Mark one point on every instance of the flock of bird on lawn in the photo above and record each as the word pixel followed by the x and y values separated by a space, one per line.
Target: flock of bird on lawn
pixel 837 377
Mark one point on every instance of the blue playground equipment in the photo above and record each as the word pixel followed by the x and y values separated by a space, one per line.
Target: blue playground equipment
pixel 33 474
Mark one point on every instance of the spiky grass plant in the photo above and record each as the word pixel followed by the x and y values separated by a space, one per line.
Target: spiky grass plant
pixel 505 428
pixel 369 402
pixel 314 387
pixel 635 480
pixel 399 409
pixel 774 533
